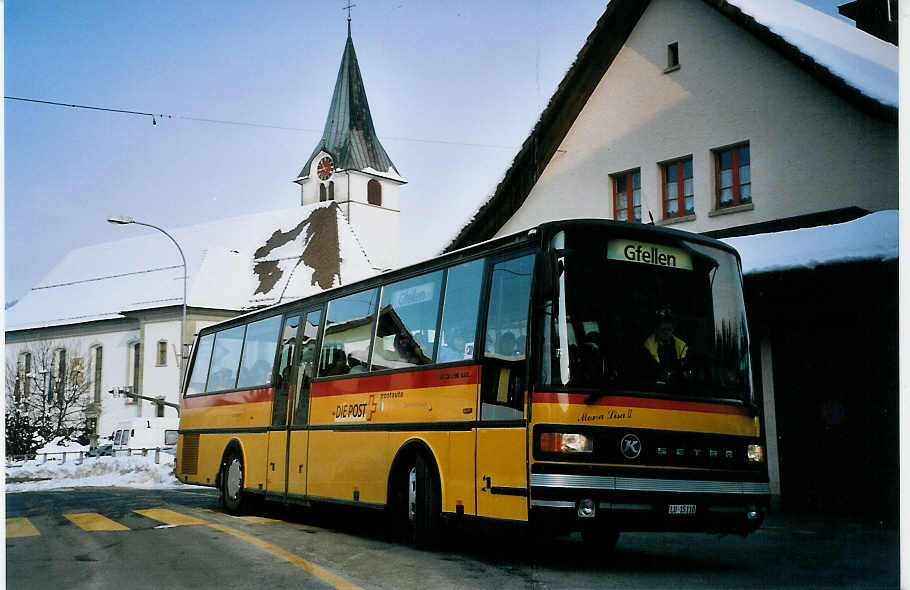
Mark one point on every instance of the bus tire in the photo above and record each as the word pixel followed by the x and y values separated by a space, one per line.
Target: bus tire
pixel 233 496
pixel 600 539
pixel 424 504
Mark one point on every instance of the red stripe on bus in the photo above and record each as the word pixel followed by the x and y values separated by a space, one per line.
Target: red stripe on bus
pixel 230 398
pixel 637 402
pixel 415 380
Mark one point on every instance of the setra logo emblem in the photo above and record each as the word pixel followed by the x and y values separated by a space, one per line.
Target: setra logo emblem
pixel 630 445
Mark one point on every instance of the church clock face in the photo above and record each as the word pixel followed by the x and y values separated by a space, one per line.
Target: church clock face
pixel 324 168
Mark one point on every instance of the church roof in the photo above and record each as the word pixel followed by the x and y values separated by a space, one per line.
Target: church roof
pixel 349 135
pixel 860 68
pixel 235 264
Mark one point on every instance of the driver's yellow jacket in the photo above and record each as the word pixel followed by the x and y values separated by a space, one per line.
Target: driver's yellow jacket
pixel 651 346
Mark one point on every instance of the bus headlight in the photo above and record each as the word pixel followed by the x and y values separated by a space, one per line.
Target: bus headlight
pixel 755 454
pixel 560 442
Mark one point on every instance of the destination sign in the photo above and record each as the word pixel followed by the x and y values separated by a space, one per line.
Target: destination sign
pixel 645 253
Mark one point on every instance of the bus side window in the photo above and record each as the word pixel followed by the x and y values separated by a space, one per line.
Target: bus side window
pixel 200 370
pixel 348 333
pixel 225 359
pixel 259 353
pixel 505 362
pixel 459 314
pixel 408 312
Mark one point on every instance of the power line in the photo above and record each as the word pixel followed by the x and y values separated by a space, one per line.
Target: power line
pixel 156 116
pixel 93 108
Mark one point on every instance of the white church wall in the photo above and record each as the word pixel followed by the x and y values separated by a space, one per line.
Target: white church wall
pixel 358 183
pixel 161 379
pixel 377 227
pixel 811 151
pixel 114 364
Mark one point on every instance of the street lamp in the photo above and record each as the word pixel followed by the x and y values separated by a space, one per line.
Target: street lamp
pixel 125 220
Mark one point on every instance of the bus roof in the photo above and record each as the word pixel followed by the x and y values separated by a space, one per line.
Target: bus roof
pixel 528 237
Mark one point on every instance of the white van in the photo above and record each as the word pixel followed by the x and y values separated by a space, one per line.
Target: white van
pixel 146 433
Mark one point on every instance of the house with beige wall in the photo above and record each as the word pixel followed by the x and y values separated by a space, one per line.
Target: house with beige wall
pixel 809 150
pixel 738 118
pixel 667 87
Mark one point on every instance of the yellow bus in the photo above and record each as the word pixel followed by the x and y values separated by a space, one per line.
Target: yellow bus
pixel 583 375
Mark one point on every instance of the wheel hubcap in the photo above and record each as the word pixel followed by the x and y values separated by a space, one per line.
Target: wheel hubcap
pixel 412 494
pixel 234 479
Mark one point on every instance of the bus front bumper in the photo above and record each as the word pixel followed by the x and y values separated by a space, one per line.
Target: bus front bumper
pixel 648 504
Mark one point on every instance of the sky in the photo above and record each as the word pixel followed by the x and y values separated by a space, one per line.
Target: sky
pixel 454 88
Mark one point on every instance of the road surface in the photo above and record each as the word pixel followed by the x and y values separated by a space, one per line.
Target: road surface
pixel 129 539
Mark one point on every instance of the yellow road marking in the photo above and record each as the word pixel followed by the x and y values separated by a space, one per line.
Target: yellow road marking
pixel 259 519
pixel 92 521
pixel 256 519
pixel 311 568
pixel 20 527
pixel 170 517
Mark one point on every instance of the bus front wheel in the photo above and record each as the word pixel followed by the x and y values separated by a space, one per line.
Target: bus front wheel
pixel 233 496
pixel 424 505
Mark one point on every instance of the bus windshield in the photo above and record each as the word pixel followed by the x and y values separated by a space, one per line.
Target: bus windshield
pixel 660 316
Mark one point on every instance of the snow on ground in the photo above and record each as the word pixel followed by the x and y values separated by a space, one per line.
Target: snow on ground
pixel 133 471
pixel 68 446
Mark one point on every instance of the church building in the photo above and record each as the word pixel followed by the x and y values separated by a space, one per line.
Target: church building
pixel 108 317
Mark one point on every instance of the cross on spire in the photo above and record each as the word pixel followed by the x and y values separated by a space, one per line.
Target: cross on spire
pixel 348 7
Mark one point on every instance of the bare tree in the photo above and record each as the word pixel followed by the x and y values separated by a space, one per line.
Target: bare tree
pixel 48 385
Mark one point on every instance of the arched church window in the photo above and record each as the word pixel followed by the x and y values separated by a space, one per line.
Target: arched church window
pixel 322 192
pixel 24 376
pixel 331 190
pixel 374 193
pixel 96 381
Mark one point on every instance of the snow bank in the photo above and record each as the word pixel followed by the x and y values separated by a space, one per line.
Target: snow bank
pixel 134 471
pixel 59 445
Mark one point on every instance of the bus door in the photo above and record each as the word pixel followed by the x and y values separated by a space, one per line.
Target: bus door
pixel 276 469
pixel 299 436
pixel 502 471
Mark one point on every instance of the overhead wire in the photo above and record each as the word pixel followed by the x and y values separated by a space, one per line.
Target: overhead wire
pixel 160 116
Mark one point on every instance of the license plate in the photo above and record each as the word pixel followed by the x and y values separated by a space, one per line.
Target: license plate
pixel 681 509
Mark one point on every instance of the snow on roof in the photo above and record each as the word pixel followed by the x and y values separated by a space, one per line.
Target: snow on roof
pixel 865 62
pixel 235 264
pixel 872 237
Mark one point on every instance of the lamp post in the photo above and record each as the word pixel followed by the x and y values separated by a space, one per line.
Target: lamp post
pixel 124 220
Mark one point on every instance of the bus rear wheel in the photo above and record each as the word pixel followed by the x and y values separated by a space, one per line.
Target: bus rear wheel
pixel 233 496
pixel 424 504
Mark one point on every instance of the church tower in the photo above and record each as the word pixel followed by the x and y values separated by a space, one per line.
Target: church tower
pixel 350 166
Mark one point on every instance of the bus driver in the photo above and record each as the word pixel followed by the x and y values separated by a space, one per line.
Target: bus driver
pixel 665 351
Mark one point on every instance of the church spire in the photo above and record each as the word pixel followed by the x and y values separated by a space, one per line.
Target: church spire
pixel 350 167
pixel 349 136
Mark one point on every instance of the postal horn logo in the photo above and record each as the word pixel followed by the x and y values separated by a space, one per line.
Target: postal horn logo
pixel 630 445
